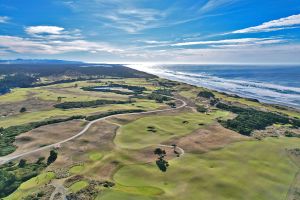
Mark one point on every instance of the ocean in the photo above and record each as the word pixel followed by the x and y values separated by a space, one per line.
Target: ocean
pixel 277 84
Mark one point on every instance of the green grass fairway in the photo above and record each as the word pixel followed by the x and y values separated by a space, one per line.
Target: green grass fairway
pixel 94 156
pixel 116 195
pixel 58 113
pixel 15 95
pixel 31 185
pixel 76 169
pixel 250 170
pixel 78 186
pixel 135 135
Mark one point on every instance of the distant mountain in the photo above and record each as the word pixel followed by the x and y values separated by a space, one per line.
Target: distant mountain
pixel 38 61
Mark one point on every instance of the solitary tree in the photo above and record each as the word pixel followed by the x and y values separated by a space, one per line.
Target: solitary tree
pixel 52 157
pixel 23 109
pixel 160 152
pixel 22 163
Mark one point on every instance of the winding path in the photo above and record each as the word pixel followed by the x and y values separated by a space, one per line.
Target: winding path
pixel 59 189
pixel 8 158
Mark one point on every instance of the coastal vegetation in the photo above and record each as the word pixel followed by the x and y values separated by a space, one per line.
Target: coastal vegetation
pixel 12 174
pixel 84 104
pixel 250 119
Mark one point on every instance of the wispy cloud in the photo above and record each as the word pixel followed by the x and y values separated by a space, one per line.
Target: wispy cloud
pixel 235 42
pixel 52 32
pixel 214 4
pixel 4 19
pixel 55 30
pixel 283 23
pixel 132 20
pixel 133 17
pixel 30 45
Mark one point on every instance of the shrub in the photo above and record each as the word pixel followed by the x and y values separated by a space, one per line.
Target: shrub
pixel 206 94
pixel 23 109
pixel 201 109
pixel 52 157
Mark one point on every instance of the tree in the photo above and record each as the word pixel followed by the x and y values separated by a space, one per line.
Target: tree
pixel 162 164
pixel 160 152
pixel 59 99
pixel 52 157
pixel 1 129
pixel 201 109
pixel 22 163
pixel 206 94
pixel 23 109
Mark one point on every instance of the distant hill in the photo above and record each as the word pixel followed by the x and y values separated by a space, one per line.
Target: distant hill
pixel 72 70
pixel 39 61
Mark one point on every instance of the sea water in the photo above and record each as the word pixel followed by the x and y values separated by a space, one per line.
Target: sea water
pixel 277 84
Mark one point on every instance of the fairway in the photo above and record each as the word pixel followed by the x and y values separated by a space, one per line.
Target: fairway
pixel 136 135
pixel 57 113
pixel 245 170
pixel 31 185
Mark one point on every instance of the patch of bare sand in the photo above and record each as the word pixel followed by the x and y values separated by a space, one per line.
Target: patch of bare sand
pixel 208 138
pixel 46 135
pixel 99 137
pixel 32 104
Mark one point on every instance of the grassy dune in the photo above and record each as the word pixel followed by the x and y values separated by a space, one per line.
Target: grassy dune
pixel 136 135
pixel 192 94
pixel 245 170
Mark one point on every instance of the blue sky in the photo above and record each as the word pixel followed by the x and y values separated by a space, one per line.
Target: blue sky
pixel 169 31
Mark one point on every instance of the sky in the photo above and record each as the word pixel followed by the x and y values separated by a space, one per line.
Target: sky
pixel 152 31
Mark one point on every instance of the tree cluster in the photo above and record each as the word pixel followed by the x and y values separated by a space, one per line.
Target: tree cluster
pixel 161 163
pixel 12 175
pixel 206 94
pixel 249 119
pixel 84 104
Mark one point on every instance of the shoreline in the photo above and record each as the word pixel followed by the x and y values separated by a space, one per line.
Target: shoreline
pixel 228 93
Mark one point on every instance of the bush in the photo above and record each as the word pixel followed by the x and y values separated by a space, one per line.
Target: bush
pixel 201 109
pixel 22 163
pixel 23 109
pixel 158 98
pixel 52 157
pixel 163 92
pixel 206 94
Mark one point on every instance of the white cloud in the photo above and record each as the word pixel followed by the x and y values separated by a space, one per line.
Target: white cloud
pixel 33 30
pixel 213 4
pixel 274 25
pixel 132 20
pixel 240 41
pixel 27 45
pixel 4 19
